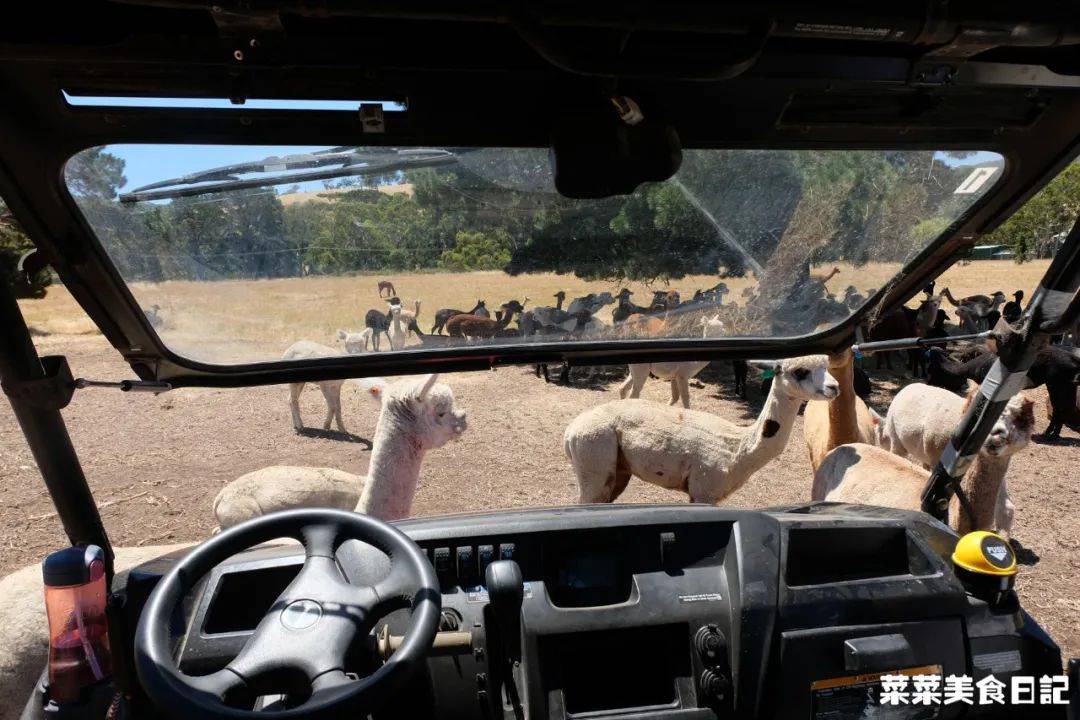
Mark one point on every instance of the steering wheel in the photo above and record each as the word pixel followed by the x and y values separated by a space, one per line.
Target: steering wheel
pixel 307 631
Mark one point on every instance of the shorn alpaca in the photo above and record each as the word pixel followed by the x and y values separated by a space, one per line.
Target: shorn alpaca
pixel 417 416
pixel 331 389
pixel 844 419
pixel 356 342
pixel 678 373
pixel 859 473
pixel 701 454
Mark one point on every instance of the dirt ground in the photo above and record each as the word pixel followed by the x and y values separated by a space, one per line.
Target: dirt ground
pixel 155 463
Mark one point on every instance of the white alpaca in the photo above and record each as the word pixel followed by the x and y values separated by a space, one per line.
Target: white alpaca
pixel 331 389
pixel 398 333
pixel 417 416
pixel 408 317
pixel 701 454
pixel 678 373
pixel 356 342
pixel 861 474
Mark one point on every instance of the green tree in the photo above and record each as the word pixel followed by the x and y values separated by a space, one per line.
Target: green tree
pixel 13 245
pixel 1034 229
pixel 477 251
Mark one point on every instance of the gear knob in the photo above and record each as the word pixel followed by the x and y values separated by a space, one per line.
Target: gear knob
pixel 506 591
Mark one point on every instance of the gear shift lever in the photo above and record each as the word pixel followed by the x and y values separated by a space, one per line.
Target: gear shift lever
pixel 506 590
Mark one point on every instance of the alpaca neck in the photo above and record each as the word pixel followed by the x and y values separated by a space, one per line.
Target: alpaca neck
pixel 843 424
pixel 768 436
pixel 981 484
pixel 394 472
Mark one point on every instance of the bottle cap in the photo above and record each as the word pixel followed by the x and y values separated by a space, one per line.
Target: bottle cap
pixel 73 566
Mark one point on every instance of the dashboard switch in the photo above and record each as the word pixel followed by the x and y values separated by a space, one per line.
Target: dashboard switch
pixel 443 567
pixel 506 551
pixel 486 555
pixel 667 551
pixel 466 565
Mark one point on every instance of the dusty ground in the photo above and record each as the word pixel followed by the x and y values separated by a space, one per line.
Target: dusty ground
pixel 155 463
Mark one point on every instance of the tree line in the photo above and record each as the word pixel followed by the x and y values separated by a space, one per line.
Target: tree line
pixel 727 212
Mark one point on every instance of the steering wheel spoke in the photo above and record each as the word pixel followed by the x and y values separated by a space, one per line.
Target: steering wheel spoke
pixel 398 589
pixel 217 684
pixel 320 539
pixel 308 632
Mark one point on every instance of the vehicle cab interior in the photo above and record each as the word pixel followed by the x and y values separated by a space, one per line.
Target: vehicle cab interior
pixel 626 610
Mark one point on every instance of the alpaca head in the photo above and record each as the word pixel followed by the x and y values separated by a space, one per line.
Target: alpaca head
pixel 605 298
pixel 1018 295
pixel 624 294
pixel 424 409
pixel 803 378
pixel 1012 431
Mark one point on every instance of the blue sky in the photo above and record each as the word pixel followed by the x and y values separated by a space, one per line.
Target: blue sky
pixel 145 164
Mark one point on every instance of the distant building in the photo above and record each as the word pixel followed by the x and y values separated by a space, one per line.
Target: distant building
pixel 990 252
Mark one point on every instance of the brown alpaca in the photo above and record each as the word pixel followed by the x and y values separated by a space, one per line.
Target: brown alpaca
pixel 388 287
pixel 826 277
pixel 474 326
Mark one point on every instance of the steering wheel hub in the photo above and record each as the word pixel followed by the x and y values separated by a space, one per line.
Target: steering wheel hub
pixel 301 614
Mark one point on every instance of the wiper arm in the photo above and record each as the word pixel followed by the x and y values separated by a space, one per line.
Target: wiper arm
pixel 322 165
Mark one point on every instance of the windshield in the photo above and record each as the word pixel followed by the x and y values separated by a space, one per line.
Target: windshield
pixel 235 253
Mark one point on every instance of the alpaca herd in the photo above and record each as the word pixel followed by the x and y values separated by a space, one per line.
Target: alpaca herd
pixel 852 449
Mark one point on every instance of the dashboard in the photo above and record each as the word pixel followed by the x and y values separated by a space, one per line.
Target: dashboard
pixel 626 611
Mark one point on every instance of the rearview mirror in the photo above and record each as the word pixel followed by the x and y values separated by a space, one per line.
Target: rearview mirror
pixel 609 150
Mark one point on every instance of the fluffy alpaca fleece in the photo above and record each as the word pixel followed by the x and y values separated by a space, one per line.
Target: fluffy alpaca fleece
pixel 862 474
pixel 417 416
pixel 701 454
pixel 844 419
pixel 678 373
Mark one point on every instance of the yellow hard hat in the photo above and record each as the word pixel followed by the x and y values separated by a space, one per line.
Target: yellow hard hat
pixel 985 553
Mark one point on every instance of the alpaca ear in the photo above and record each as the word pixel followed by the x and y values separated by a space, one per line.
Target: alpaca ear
pixel 426 386
pixel 340 334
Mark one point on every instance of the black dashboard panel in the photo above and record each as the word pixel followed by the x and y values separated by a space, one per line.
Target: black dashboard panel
pixel 684 611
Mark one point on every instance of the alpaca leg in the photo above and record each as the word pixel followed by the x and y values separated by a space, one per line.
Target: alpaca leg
pixel 594 457
pixel 332 393
pixel 674 383
pixel 627 384
pixel 638 375
pixel 1004 511
pixel 294 405
pixel 684 389
pixel 328 396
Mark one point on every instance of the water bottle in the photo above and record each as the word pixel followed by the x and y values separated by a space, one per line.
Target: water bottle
pixel 78 633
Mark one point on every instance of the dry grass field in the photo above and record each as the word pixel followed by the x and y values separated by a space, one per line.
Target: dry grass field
pixel 255 320
pixel 156 462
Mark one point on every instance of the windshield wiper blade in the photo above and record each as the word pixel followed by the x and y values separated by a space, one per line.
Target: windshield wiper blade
pixel 321 165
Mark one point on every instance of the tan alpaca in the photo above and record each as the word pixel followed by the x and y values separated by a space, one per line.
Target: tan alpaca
pixel 844 419
pixel 698 453
pixel 860 473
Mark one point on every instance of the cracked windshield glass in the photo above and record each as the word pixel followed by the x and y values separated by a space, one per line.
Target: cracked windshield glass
pixel 236 253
